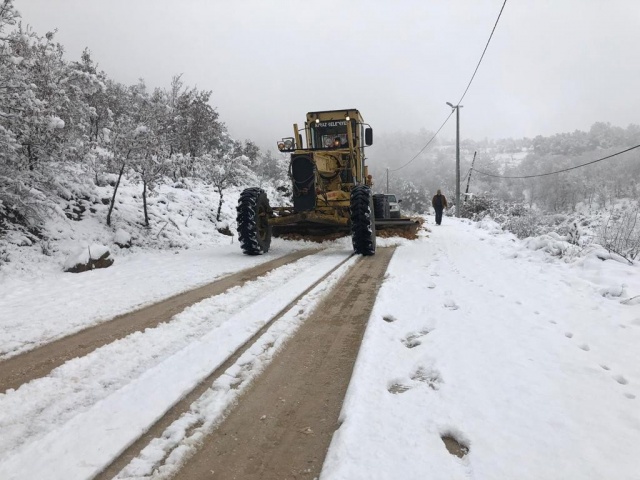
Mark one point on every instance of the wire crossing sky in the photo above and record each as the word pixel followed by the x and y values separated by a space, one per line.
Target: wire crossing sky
pixel 482 56
pixel 557 171
pixel 463 95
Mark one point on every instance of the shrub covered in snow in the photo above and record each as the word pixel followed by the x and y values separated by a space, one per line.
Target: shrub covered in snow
pixel 620 232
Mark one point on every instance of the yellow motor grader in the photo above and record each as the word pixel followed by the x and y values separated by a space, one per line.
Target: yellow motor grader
pixel 330 184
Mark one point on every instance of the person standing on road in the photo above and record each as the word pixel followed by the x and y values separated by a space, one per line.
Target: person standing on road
pixel 439 203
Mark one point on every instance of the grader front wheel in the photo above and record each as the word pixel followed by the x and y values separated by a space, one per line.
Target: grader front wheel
pixel 254 231
pixel 363 226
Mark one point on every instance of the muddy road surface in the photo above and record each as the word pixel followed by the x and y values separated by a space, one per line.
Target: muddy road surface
pixel 37 363
pixel 282 427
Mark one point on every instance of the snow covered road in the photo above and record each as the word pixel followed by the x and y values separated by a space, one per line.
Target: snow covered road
pixel 58 303
pixel 522 363
pixel 517 357
pixel 129 384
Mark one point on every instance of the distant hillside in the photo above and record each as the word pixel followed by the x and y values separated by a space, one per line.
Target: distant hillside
pixel 435 167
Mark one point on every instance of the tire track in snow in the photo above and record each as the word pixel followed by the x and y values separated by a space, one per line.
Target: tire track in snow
pixel 283 426
pixel 173 439
pixel 42 414
pixel 40 361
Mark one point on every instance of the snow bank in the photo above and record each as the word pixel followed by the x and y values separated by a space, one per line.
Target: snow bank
pixel 510 352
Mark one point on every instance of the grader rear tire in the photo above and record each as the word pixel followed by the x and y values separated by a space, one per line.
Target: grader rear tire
pixel 363 226
pixel 254 231
pixel 381 206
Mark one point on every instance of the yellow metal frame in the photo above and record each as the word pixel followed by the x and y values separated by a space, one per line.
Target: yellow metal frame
pixel 332 197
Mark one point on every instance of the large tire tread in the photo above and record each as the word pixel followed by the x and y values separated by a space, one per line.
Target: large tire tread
pixel 381 206
pixel 254 232
pixel 363 230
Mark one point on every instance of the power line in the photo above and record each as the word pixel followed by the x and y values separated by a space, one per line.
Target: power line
pixel 463 95
pixel 428 143
pixel 483 52
pixel 558 171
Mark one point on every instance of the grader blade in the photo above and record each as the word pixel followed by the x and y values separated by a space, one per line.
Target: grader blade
pixel 398 227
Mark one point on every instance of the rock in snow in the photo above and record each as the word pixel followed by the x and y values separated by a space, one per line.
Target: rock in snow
pixel 122 238
pixel 88 258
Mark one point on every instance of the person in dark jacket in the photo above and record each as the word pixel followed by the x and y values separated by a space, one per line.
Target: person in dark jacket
pixel 439 203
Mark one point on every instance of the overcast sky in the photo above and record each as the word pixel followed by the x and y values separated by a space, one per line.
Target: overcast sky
pixel 552 66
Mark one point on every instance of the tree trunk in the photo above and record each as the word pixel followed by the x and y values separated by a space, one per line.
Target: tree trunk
pixel 32 158
pixel 115 191
pixel 219 204
pixel 144 202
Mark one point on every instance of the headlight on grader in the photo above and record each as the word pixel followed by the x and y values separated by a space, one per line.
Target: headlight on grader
pixel 287 145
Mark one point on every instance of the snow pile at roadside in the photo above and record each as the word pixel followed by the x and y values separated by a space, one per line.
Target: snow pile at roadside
pixel 510 358
pixel 612 275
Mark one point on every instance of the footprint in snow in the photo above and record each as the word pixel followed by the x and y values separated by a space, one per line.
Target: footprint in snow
pixel 411 340
pixel 584 347
pixel 411 343
pixel 605 367
pixel 431 285
pixel 389 318
pixel 398 388
pixel 568 334
pixel 429 376
pixel 620 379
pixel 451 305
pixel 630 396
pixel 455 446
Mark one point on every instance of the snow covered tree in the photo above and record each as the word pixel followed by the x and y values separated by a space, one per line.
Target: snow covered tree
pixel 126 136
pixel 274 169
pixel 194 129
pixel 152 159
pixel 223 169
pixel 60 118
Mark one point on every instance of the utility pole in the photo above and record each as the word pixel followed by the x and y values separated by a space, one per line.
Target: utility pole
pixel 466 193
pixel 387 179
pixel 457 108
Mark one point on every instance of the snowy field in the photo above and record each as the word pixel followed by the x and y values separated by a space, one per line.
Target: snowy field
pixel 528 361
